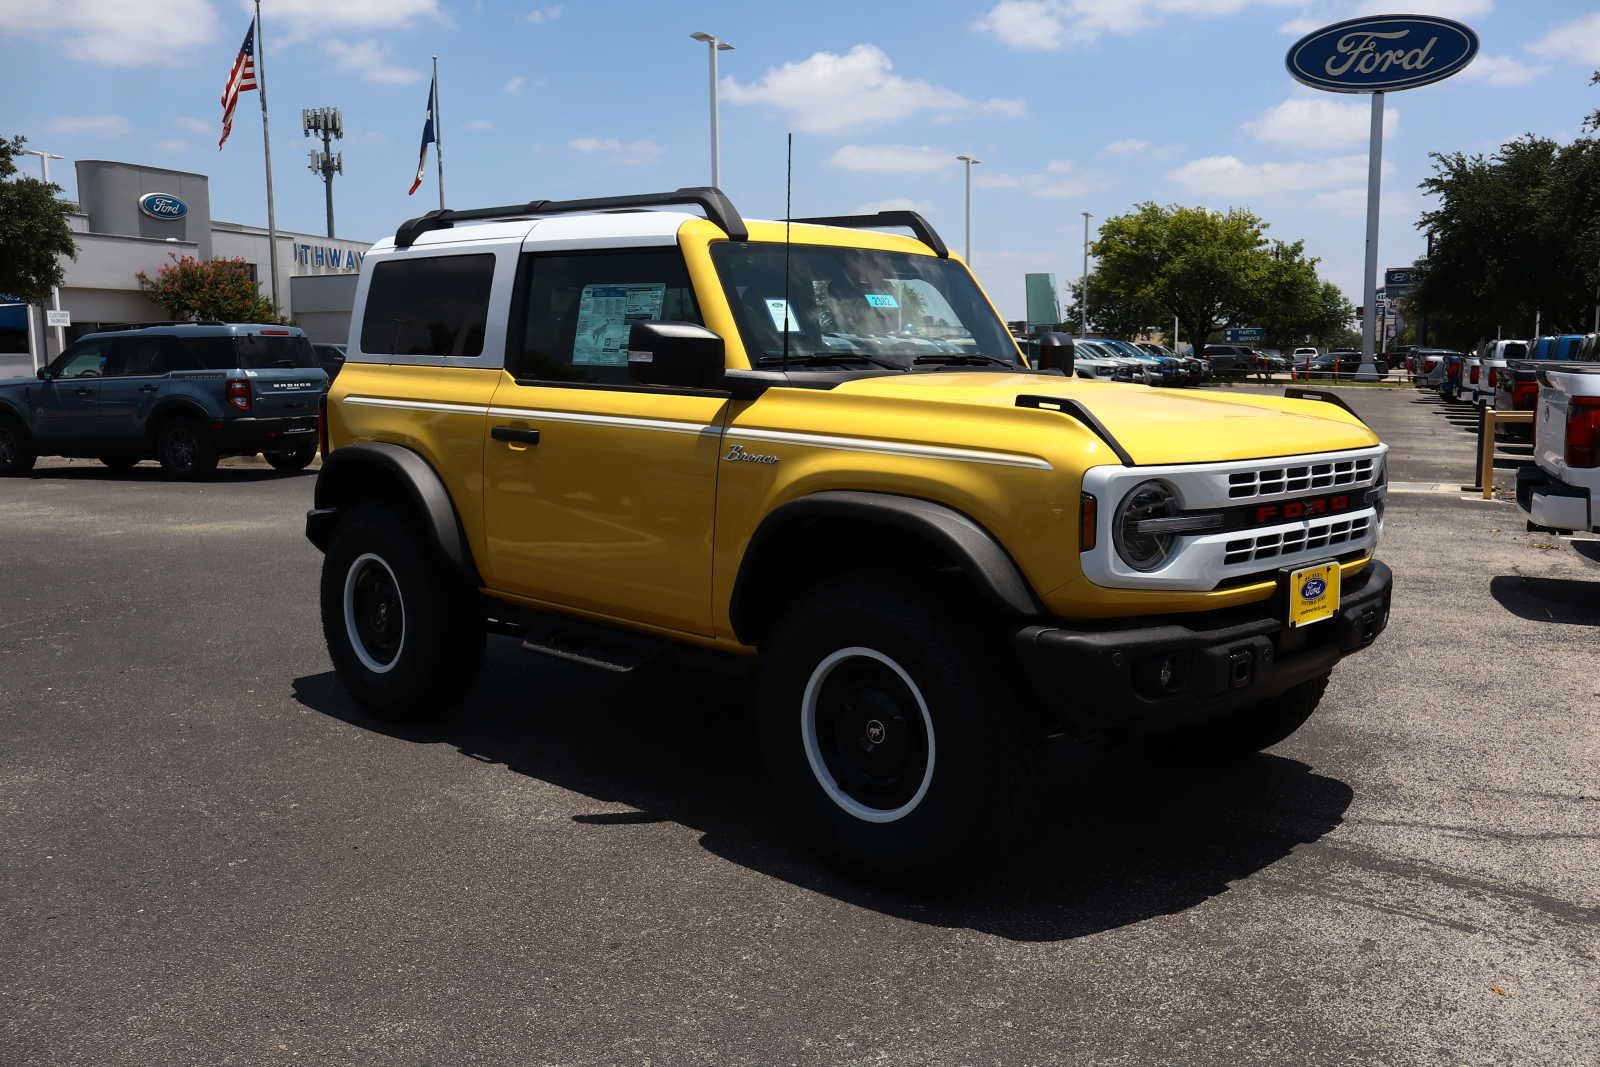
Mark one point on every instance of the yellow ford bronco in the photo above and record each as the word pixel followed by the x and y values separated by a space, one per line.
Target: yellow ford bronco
pixel 613 426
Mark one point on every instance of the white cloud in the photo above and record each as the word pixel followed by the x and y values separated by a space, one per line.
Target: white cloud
pixel 1047 25
pixel 480 124
pixel 827 93
pixel 1051 183
pixel 95 125
pixel 627 153
pixel 114 32
pixel 1502 71
pixel 372 60
pixel 545 14
pixel 513 86
pixel 1451 9
pixel 1319 122
pixel 302 19
pixel 194 125
pixel 895 203
pixel 1128 146
pixel 892 158
pixel 172 144
pixel 1578 39
pixel 1229 178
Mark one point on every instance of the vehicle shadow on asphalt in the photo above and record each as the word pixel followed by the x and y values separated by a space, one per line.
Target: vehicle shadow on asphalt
pixel 1564 600
pixel 1120 843
pixel 223 475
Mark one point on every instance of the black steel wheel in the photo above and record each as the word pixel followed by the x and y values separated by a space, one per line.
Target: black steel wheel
pixel 186 448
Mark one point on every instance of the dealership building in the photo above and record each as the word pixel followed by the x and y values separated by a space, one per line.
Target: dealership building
pixel 131 218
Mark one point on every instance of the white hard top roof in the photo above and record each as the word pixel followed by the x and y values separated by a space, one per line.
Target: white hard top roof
pixel 644 227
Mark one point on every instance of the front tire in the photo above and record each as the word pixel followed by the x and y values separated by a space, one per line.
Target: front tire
pixel 186 448
pixel 16 451
pixel 892 730
pixel 403 636
pixel 290 462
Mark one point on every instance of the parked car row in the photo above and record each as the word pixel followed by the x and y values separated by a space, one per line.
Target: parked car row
pixel 1142 363
pixel 183 394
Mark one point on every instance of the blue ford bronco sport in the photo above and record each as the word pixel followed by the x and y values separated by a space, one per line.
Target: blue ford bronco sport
pixel 185 394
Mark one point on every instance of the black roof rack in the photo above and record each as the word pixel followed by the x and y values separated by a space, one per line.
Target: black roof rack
pixel 909 219
pixel 107 327
pixel 718 208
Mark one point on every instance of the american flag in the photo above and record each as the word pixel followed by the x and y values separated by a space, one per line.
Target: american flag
pixel 241 79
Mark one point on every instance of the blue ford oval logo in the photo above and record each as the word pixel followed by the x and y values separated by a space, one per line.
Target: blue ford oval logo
pixel 1313 589
pixel 163 206
pixel 1381 53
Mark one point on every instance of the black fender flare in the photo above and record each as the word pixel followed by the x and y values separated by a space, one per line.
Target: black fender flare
pixel 351 472
pixel 169 407
pixel 956 537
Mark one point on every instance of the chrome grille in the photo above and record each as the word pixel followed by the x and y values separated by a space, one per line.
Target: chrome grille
pixel 1300 478
pixel 1314 535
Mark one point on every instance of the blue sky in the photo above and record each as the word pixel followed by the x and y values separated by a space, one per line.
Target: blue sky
pixel 1073 105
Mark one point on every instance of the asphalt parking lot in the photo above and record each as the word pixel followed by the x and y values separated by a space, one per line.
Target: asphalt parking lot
pixel 212 857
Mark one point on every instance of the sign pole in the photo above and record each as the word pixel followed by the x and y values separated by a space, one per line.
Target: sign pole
pixel 1369 317
pixel 438 132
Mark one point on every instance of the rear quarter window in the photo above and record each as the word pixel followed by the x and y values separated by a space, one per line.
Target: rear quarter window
pixel 429 306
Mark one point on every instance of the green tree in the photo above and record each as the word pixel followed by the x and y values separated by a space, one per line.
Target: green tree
pixel 190 288
pixel 1210 269
pixel 33 230
pixel 1592 123
pixel 1515 235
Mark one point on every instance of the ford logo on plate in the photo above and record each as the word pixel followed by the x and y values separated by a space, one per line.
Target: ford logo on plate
pixel 163 206
pixel 1381 53
pixel 1313 589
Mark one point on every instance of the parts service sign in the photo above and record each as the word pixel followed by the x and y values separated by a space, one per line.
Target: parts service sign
pixel 1381 53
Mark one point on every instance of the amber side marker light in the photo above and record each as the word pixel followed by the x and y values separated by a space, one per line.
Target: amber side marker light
pixel 1088 521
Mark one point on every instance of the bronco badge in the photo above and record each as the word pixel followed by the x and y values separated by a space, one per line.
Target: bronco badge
pixel 737 454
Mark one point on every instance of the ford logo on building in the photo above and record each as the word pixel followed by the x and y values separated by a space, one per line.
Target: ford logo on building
pixel 163 206
pixel 1381 53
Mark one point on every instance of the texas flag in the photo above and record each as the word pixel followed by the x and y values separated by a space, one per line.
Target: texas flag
pixel 427 135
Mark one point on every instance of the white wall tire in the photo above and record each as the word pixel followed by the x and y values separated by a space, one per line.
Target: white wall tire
pixel 377 656
pixel 874 733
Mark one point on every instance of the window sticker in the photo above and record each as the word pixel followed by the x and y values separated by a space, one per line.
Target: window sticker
pixel 605 315
pixel 779 310
pixel 882 300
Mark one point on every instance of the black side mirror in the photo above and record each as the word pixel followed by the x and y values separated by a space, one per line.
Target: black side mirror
pixel 1057 352
pixel 674 353
pixel 43 374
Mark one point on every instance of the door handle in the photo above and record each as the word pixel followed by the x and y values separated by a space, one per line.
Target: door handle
pixel 149 388
pixel 84 390
pixel 513 433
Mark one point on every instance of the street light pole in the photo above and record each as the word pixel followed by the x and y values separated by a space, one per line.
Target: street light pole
pixel 55 291
pixel 713 46
pixel 1083 288
pixel 970 163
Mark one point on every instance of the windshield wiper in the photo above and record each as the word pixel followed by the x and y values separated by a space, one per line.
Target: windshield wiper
pixel 968 359
pixel 831 358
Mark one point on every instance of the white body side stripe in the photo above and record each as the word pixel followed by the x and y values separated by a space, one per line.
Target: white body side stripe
pixel 888 448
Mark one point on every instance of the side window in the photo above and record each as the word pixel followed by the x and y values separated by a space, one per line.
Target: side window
pixel 86 359
pixel 579 307
pixel 429 306
pixel 137 357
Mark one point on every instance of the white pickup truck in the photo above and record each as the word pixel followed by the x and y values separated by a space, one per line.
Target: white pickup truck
pixel 1562 492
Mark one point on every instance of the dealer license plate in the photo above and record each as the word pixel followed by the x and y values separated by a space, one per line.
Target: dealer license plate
pixel 1313 594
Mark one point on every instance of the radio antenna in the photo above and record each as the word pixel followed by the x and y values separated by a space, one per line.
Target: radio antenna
pixel 788 211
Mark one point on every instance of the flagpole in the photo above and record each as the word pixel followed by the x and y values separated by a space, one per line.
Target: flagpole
pixel 266 148
pixel 438 131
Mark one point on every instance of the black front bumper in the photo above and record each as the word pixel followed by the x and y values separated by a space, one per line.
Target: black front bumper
pixel 1139 680
pixel 267 435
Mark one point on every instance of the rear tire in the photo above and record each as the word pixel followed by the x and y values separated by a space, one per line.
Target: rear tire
pixel 892 730
pixel 404 637
pixel 1246 731
pixel 290 462
pixel 16 450
pixel 186 448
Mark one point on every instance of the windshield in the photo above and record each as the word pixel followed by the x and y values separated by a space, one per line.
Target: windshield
pixel 1126 348
pixel 857 302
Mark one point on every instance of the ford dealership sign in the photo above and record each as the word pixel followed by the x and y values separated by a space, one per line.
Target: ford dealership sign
pixel 163 206
pixel 1381 53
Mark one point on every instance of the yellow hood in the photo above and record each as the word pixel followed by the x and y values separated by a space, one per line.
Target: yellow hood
pixel 1155 426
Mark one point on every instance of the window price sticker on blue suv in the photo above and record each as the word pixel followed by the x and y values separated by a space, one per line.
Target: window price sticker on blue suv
pixel 1313 594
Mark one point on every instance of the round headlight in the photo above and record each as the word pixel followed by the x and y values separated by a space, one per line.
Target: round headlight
pixel 1147 500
